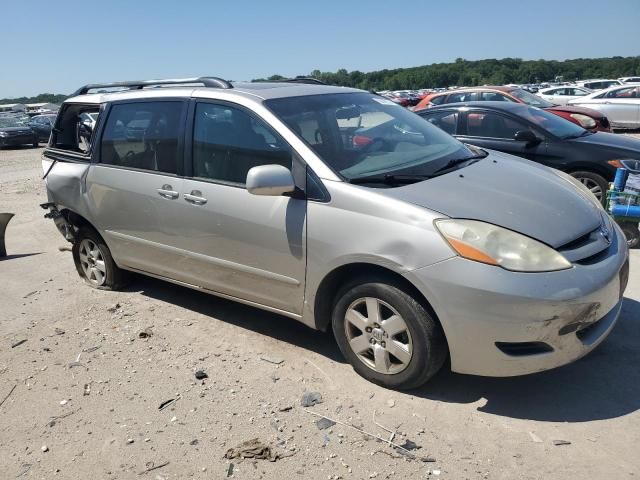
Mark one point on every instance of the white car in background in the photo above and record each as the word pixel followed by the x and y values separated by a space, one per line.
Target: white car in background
pixel 598 83
pixel 621 105
pixel 629 79
pixel 562 94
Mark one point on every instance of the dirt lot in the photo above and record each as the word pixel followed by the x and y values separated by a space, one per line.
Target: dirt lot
pixel 88 388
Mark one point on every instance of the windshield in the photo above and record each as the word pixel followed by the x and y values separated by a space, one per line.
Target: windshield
pixel 554 124
pixel 360 135
pixel 530 98
pixel 7 122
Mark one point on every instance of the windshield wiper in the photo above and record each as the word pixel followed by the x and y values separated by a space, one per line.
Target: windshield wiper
pixel 390 179
pixel 457 161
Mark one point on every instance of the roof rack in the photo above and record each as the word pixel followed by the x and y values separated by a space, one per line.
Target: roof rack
pixel 209 82
pixel 309 80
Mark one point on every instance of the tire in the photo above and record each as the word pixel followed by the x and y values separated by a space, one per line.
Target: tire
pixel 36 143
pixel 417 338
pixel 89 254
pixel 632 234
pixel 597 184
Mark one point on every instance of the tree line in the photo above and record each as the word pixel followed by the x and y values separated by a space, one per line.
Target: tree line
pixel 42 98
pixel 479 72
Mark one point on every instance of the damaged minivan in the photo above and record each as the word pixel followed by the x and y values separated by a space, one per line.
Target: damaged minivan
pixel 344 211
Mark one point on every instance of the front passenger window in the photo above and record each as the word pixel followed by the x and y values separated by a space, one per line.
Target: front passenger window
pixel 228 142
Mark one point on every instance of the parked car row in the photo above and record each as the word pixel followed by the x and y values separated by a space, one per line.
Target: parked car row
pixel 17 130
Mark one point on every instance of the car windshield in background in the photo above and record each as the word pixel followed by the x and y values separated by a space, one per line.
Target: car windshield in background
pixel 554 124
pixel 8 122
pixel 361 135
pixel 530 98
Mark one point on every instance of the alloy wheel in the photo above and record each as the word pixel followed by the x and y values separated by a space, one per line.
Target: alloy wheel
pixel 92 262
pixel 592 185
pixel 378 335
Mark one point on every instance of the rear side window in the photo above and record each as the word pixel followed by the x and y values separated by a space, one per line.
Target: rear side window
pixel 228 142
pixel 629 92
pixel 143 135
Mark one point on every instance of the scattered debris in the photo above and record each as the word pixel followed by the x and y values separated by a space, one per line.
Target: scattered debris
pixel 230 470
pixel 91 349
pixel 87 389
pixel 193 442
pixel 392 434
pixel 65 248
pixel 75 364
pixel 535 438
pixel 25 468
pixel 253 448
pixel 58 331
pixel 30 293
pixel 114 309
pixel 285 408
pixel 53 420
pixel 201 375
pixel 324 423
pixel 391 403
pixel 151 467
pixel 274 378
pixel 409 445
pixel 166 403
pixel 130 441
pixel 44 448
pixel 146 333
pixel 561 442
pixel 18 343
pixel 309 399
pixel 7 395
pixel 373 435
pixel 274 360
pixel 435 472
pixel 64 402
pixel 173 419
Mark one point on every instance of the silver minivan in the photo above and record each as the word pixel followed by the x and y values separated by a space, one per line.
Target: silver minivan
pixel 340 209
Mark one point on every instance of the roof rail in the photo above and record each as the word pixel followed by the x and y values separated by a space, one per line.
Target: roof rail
pixel 309 80
pixel 210 82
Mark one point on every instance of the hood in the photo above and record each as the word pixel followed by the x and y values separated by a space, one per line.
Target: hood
pixel 511 192
pixel 16 130
pixel 590 112
pixel 611 140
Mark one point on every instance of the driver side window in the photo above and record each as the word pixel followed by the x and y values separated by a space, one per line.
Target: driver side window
pixel 492 125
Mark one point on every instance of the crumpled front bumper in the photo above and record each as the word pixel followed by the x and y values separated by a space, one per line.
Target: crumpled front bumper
pixel 501 323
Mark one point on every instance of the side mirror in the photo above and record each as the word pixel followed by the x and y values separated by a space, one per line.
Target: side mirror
pixel 526 136
pixel 271 180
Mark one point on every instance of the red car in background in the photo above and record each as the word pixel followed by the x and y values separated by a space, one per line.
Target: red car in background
pixel 585 117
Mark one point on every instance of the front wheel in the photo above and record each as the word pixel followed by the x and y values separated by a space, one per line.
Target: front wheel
pixel 596 184
pixel 94 262
pixel 36 143
pixel 388 337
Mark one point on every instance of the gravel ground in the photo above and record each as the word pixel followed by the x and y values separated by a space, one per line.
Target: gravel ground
pixel 85 388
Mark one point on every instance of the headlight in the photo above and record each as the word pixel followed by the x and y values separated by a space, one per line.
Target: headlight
pixel 583 120
pixel 4 134
pixel 493 245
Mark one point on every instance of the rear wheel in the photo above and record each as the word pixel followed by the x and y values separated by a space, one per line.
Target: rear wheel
pixel 94 262
pixel 388 337
pixel 35 143
pixel 596 184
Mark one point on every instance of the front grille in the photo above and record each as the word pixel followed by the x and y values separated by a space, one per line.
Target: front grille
pixel 586 249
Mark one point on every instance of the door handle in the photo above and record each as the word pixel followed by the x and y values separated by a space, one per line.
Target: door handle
pixel 167 191
pixel 195 197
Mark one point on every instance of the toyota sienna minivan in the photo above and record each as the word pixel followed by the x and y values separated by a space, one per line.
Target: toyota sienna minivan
pixel 340 209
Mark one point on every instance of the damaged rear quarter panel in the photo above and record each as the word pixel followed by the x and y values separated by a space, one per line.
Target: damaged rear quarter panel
pixel 66 185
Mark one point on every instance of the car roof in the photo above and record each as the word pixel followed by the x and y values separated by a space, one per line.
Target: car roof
pixel 511 107
pixel 257 90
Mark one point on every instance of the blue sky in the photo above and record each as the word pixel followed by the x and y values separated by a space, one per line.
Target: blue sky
pixel 57 46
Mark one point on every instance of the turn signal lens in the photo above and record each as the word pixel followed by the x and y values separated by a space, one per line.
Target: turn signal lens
pixel 583 120
pixel 615 163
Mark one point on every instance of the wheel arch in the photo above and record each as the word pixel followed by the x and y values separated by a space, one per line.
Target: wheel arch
pixel 340 276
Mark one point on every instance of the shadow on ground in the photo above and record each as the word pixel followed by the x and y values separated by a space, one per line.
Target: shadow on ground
pixel 243 316
pixel 605 384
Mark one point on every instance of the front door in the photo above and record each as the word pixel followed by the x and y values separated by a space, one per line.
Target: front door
pixel 493 130
pixel 247 246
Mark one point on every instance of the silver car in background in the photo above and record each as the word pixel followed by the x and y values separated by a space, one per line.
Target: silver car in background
pixel 344 211
pixel 621 104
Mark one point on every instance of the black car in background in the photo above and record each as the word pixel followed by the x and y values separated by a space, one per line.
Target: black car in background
pixel 15 131
pixel 42 125
pixel 534 134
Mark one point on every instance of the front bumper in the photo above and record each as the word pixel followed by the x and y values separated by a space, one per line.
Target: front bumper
pixel 501 323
